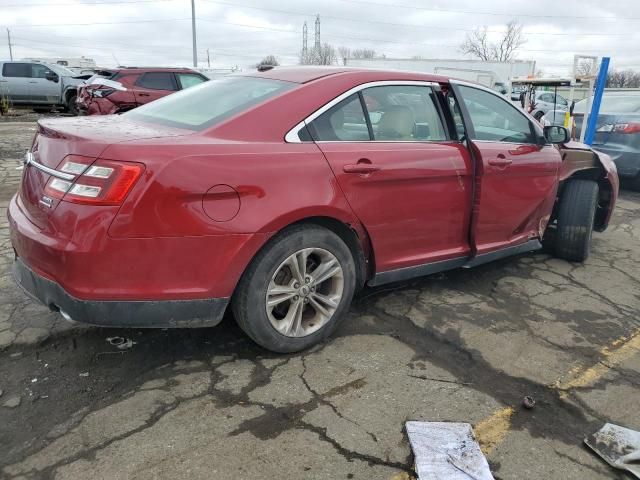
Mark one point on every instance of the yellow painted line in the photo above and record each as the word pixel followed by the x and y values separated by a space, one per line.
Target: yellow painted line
pixel 619 351
pixel 491 431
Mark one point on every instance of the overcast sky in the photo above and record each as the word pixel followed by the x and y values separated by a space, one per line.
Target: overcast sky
pixel 241 32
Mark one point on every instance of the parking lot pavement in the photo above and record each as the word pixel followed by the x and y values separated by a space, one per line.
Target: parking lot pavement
pixel 463 346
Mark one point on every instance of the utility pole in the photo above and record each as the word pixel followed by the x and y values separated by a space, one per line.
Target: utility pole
pixel 9 41
pixel 208 59
pixel 193 33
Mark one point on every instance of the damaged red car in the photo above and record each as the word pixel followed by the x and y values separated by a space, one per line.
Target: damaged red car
pixel 277 194
pixel 122 89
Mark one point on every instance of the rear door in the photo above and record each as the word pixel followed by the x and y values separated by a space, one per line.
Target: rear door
pixel 517 173
pixel 41 90
pixel 402 174
pixel 15 81
pixel 153 85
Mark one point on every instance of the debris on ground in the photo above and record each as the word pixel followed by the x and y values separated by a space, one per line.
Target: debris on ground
pixel 12 402
pixel 83 374
pixel 447 450
pixel 121 342
pixel 618 446
pixel 528 402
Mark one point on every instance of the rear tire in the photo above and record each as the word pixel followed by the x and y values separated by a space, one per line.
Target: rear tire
pixel 288 273
pixel 576 214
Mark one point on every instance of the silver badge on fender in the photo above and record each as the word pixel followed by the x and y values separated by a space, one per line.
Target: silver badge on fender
pixel 46 201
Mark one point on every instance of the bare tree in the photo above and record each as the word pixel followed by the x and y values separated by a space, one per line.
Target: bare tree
pixel 326 54
pixel 623 79
pixel 478 44
pixel 363 53
pixel 345 53
pixel 584 68
pixel 268 60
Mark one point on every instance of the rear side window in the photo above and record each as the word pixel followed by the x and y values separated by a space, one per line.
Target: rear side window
pixel 405 113
pixel 157 81
pixel 344 121
pixel 189 80
pixel 209 103
pixel 16 70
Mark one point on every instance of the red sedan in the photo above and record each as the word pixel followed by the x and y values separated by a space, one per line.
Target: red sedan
pixel 279 193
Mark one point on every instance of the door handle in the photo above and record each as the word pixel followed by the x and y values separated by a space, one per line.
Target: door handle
pixel 142 94
pixel 363 167
pixel 500 161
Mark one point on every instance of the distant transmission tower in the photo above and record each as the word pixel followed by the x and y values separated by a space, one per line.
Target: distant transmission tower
pixel 317 42
pixel 304 40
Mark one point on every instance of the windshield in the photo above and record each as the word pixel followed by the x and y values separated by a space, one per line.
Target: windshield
pixel 613 104
pixel 204 105
pixel 60 70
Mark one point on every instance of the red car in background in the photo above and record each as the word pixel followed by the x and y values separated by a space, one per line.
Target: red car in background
pixel 122 89
pixel 279 193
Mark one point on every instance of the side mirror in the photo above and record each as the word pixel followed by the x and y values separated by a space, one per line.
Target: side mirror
pixel 555 134
pixel 51 76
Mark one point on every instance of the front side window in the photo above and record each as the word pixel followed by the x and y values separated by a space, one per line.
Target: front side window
pixel 16 70
pixel 189 80
pixel 157 81
pixel 495 119
pixel 209 103
pixel 39 71
pixel 391 113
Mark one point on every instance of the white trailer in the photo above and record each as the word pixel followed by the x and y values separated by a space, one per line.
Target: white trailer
pixel 491 74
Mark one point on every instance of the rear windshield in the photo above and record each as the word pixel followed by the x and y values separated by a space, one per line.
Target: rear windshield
pixel 613 104
pixel 204 105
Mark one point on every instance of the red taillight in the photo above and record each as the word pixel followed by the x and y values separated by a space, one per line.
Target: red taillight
pixel 631 127
pixel 103 182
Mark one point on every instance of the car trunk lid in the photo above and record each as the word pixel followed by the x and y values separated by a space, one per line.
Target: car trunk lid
pixel 83 137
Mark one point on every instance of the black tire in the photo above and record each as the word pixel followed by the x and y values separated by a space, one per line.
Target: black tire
pixel 635 183
pixel 576 214
pixel 249 300
pixel 72 107
pixel 538 115
pixel 42 109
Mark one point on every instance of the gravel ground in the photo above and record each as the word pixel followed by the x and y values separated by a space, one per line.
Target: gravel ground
pixel 467 346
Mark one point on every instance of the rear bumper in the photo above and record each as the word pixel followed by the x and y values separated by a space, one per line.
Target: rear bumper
pixel 139 314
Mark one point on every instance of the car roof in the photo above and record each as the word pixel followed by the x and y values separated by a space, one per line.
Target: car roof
pixel 151 69
pixel 307 74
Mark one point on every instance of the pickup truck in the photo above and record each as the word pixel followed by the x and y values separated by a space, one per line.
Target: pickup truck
pixel 40 85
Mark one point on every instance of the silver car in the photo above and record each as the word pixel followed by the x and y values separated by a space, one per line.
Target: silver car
pixel 548 101
pixel 40 85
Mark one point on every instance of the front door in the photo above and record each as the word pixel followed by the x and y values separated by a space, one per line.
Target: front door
pixel 517 173
pixel 41 90
pixel 405 179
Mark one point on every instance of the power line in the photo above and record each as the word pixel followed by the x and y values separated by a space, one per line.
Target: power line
pixel 395 24
pixel 29 25
pixel 117 2
pixel 471 12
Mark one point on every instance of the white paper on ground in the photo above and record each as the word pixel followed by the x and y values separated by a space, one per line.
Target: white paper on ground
pixel 618 446
pixel 445 450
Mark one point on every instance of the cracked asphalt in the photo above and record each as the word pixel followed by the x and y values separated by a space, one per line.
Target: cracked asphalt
pixel 464 346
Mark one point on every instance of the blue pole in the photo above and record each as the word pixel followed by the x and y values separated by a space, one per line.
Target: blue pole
pixel 597 100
